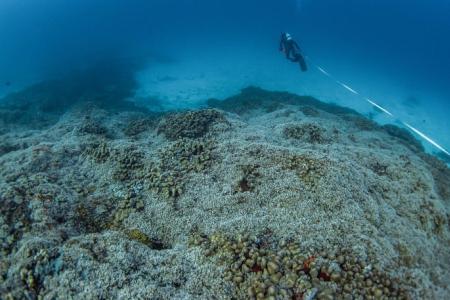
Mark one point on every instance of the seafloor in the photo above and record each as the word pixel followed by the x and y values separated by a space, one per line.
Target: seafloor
pixel 265 195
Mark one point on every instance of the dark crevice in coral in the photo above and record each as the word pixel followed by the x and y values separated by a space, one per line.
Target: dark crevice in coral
pixel 86 219
pixel 6 148
pixel 244 186
pixel 379 168
pixel 249 179
pixel 151 242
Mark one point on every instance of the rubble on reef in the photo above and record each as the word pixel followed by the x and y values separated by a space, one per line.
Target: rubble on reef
pixel 264 195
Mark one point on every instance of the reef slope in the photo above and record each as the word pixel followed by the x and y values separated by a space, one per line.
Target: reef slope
pixel 265 195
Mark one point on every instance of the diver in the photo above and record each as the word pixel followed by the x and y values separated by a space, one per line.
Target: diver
pixel 292 50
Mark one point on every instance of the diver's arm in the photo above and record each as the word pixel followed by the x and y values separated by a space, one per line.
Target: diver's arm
pixel 297 47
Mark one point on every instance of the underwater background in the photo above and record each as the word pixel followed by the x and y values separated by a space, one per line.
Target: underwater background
pixel 166 149
pixel 395 53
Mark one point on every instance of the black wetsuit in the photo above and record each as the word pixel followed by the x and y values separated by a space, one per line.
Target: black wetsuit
pixel 292 51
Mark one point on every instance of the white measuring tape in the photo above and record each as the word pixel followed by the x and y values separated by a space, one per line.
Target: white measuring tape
pixel 351 90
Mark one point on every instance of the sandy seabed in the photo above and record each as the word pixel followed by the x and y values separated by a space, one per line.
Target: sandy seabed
pixel 264 195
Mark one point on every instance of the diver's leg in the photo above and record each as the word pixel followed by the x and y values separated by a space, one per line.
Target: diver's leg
pixel 302 62
pixel 293 58
pixel 288 53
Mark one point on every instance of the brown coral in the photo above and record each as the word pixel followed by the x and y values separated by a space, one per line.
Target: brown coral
pixel 266 268
pixel 193 124
pixel 309 132
pixel 138 126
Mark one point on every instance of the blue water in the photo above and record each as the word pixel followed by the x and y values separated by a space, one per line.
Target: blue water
pixel 396 53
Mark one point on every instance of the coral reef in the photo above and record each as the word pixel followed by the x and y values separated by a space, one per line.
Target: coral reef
pixel 29 276
pixel 254 98
pixel 92 216
pixel 176 162
pixel 108 85
pixel 99 151
pixel 249 178
pixel 361 123
pixel 137 235
pixel 138 126
pixel 261 268
pixel 90 126
pixel 309 169
pixel 14 222
pixel 193 124
pixel 441 175
pixel 309 111
pixel 310 132
pixel 285 197
pixel 128 205
pixel 6 147
pixel 404 137
pixel 128 161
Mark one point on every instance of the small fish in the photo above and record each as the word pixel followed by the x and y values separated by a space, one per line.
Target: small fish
pixel 8 83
